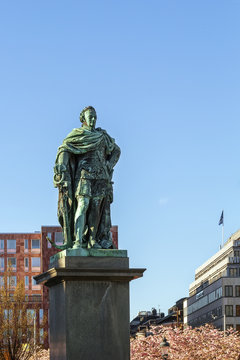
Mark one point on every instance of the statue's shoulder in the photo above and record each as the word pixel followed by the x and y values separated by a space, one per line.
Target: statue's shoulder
pixel 104 133
pixel 109 140
pixel 101 130
pixel 73 133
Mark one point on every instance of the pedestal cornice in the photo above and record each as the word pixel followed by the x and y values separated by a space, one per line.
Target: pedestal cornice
pixel 57 275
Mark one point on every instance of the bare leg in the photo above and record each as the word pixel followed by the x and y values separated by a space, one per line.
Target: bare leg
pixel 94 220
pixel 80 220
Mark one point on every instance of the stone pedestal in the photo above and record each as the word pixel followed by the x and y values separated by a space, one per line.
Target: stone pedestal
pixel 89 304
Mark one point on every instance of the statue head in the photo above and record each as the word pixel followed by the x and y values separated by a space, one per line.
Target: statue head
pixel 88 117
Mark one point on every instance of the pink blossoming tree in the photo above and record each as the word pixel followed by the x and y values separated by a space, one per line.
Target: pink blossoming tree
pixel 204 343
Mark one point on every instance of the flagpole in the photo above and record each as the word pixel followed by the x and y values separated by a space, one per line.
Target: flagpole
pixel 222 234
pixel 221 222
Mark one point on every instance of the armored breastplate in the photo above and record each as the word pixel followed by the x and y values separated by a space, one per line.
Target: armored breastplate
pixel 92 165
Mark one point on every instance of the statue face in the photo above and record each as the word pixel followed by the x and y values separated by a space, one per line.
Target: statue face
pixel 90 118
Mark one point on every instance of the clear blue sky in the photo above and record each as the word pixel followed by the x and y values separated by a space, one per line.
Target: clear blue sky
pixel 164 77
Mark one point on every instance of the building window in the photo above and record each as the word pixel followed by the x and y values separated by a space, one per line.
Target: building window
pixel 36 246
pixel 207 299
pixel 233 272
pixel 12 263
pixel 8 314
pixel 59 238
pixel 218 293
pixel 229 310
pixel 237 253
pixel 31 315
pixel 11 246
pixel 238 327
pixel 49 235
pixel 41 336
pixel 12 281
pixel 35 286
pixel 1 264
pixel 229 326
pixel 40 316
pixel 26 245
pixel 1 281
pixel 237 290
pixel 26 282
pixel 237 310
pixel 26 264
pixel 228 290
pixel 1 246
pixel 35 263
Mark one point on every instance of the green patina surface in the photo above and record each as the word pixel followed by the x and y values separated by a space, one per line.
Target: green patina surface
pixel 89 252
pixel 83 174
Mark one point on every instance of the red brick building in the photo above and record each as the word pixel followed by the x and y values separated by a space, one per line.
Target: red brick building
pixel 28 255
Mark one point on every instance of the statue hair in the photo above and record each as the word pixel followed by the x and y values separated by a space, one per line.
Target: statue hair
pixel 82 117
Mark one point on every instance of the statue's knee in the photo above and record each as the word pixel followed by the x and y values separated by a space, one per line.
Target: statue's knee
pixel 83 202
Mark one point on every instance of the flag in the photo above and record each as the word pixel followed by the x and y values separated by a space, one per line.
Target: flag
pixel 221 219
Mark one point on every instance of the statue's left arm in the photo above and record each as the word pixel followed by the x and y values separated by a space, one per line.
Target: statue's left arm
pixel 113 157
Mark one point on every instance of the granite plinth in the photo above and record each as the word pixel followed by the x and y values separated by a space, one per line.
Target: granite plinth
pixel 91 252
pixel 89 306
pixel 79 255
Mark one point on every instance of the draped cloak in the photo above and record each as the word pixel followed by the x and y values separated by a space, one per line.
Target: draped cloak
pixel 81 140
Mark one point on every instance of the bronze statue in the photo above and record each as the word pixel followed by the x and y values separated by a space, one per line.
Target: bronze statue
pixel 83 174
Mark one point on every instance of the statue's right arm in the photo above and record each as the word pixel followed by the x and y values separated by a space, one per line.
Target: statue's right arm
pixel 63 158
pixel 60 167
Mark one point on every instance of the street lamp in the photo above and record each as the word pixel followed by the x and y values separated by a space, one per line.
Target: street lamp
pixel 165 348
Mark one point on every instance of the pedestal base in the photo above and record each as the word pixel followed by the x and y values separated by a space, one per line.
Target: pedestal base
pixel 89 307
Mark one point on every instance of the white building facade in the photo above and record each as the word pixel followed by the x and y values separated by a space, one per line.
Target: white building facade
pixel 214 296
